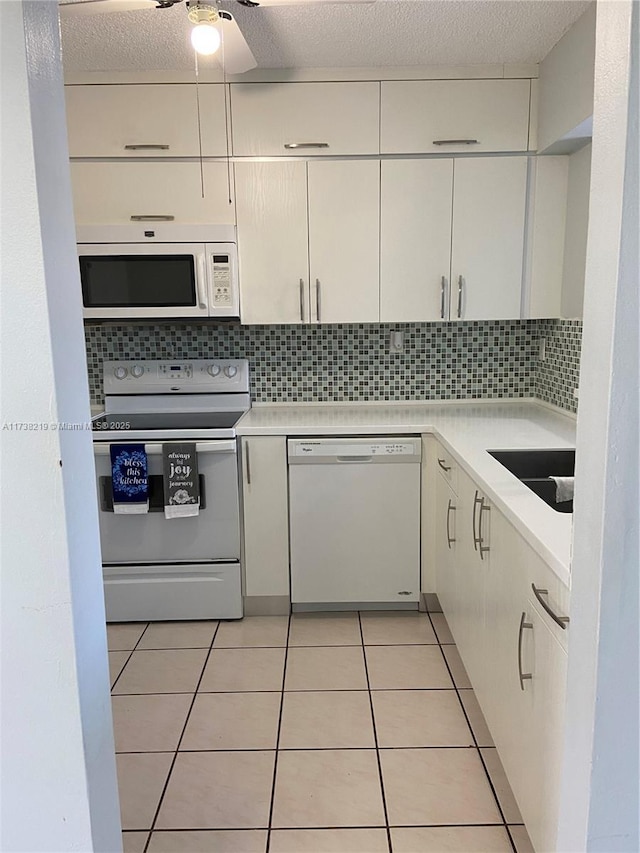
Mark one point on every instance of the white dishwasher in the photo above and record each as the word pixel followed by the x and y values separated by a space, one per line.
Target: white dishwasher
pixel 354 513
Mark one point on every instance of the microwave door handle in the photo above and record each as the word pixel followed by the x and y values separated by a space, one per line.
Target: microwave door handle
pixel 201 282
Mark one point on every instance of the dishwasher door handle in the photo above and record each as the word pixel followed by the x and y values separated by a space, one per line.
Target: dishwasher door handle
pixel 357 459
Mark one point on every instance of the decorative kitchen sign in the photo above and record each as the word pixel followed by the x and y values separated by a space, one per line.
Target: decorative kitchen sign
pixel 129 479
pixel 181 482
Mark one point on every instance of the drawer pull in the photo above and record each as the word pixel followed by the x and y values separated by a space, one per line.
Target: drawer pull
pixel 562 621
pixel 152 217
pixel 292 146
pixel 524 676
pixel 443 466
pixel 456 142
pixel 146 147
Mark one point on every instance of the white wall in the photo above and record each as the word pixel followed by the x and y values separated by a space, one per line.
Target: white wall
pixel 600 797
pixel 575 240
pixel 566 82
pixel 58 767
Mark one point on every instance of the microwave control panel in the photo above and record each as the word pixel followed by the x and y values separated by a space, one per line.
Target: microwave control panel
pixel 222 285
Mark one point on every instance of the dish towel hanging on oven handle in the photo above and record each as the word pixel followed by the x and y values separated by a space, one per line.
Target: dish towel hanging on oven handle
pixel 181 481
pixel 129 478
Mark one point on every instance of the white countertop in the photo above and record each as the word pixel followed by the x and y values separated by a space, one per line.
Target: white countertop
pixel 466 429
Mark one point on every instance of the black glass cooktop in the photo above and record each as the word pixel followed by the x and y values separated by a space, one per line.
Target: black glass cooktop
pixel 167 421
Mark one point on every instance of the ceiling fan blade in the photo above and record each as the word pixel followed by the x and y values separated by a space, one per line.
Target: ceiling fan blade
pixel 235 54
pixel 99 7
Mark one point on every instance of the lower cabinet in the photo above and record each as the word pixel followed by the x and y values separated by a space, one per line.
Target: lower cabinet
pixel 266 520
pixel 513 649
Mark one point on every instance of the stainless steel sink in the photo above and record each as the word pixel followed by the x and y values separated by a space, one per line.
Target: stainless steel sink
pixel 535 467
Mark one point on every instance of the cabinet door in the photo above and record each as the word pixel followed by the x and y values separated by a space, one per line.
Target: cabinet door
pixel 271 200
pixel 266 515
pixel 415 239
pixel 344 205
pixel 111 193
pixel 103 119
pixel 491 115
pixel 321 118
pixel 447 545
pixel 488 237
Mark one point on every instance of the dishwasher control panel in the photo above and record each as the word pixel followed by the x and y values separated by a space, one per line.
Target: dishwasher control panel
pixel 356 449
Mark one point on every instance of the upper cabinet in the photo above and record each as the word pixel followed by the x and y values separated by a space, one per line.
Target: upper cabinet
pixel 153 120
pixel 284 119
pixel 451 116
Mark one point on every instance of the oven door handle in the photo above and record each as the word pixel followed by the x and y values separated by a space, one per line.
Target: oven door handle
pixel 220 446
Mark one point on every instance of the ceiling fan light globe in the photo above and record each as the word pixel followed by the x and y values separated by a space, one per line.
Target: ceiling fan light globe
pixel 205 39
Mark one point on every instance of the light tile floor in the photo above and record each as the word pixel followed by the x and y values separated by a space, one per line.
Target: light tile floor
pixel 323 733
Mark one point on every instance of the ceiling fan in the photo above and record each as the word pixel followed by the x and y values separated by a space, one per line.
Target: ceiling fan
pixel 213 25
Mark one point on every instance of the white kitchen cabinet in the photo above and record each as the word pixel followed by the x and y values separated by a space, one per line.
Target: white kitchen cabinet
pixel 319 118
pixel 159 120
pixel 344 203
pixel 448 543
pixel 488 237
pixel 308 255
pixel 451 116
pixel 266 516
pixel 113 193
pixel 416 198
pixel 273 254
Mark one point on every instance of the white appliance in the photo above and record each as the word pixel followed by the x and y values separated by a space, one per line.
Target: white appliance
pixel 158 269
pixel 354 511
pixel 156 568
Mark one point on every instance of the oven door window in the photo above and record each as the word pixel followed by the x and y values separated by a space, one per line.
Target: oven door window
pixel 138 281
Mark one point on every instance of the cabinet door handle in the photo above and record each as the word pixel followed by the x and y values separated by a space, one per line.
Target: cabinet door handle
pixel 478 539
pixel 562 621
pixel 291 146
pixel 460 289
pixel 247 461
pixel 450 509
pixel 476 501
pixel 524 676
pixel 442 465
pixel 302 300
pixel 152 217
pixel 318 300
pixel 443 290
pixel 146 147
pixel 456 142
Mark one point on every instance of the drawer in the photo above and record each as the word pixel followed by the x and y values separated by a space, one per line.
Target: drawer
pixel 323 118
pixel 111 193
pixel 103 119
pixel 448 467
pixel 429 116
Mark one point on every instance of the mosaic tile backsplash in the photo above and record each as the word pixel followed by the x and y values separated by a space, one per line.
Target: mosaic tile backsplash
pixel 352 362
pixel 557 376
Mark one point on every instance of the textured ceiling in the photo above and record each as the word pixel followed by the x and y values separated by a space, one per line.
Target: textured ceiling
pixel 387 33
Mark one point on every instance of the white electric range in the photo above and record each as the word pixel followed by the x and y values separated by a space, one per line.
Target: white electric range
pixel 156 568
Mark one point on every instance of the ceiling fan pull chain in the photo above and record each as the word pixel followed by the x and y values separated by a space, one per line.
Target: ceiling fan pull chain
pixel 199 126
pixel 226 114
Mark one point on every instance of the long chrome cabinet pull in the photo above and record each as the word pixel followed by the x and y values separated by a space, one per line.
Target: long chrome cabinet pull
pixel 152 217
pixel 460 288
pixel 443 290
pixel 302 300
pixel 146 147
pixel 456 142
pixel 562 621
pixel 478 539
pixel 247 462
pixel 476 501
pixel 524 676
pixel 450 509
pixel 318 300
pixel 291 146
pixel 442 465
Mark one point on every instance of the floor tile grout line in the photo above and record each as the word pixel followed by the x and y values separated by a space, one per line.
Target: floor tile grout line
pixel 128 658
pixel 177 749
pixel 275 763
pixel 301 748
pixel 375 739
pixel 328 828
pixel 475 740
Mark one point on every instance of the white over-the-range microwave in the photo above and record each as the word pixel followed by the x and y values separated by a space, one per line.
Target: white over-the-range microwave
pixel 157 270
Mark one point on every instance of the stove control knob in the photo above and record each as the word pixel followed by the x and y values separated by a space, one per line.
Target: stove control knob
pixel 120 372
pixel 213 369
pixel 230 370
pixel 137 371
